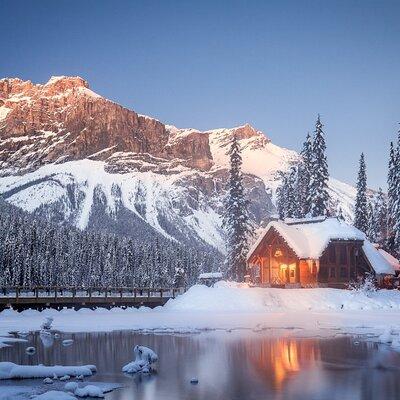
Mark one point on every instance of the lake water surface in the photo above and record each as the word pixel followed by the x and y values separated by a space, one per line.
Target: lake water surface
pixel 237 366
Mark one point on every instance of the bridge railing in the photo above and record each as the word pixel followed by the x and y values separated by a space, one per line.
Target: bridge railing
pixel 87 292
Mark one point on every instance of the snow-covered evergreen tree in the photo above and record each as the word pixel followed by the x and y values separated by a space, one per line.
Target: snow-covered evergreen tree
pixel 395 211
pixel 371 231
pixel 281 196
pixel 319 196
pixel 361 206
pixel 304 177
pixel 289 202
pixel 339 214
pixel 392 192
pixel 377 226
pixel 292 200
pixel 236 220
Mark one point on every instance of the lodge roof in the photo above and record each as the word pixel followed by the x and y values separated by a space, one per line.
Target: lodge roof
pixel 309 237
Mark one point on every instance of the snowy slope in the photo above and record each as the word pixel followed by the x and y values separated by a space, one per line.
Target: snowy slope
pixel 260 157
pixel 148 195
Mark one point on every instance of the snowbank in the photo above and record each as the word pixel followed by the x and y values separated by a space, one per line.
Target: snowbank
pixel 241 298
pixel 9 370
pixel 230 306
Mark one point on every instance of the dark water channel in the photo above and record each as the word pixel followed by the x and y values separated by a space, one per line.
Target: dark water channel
pixel 237 366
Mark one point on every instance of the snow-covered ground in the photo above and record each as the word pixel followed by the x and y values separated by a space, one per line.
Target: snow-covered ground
pixel 227 306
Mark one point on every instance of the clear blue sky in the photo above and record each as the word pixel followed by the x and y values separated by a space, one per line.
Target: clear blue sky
pixel 209 64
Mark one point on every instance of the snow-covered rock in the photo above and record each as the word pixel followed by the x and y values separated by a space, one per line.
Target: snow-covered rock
pixel 386 336
pixel 54 395
pixel 89 391
pixel 65 378
pixel 396 343
pixel 84 391
pixel 9 370
pixel 67 342
pixel 6 340
pixel 46 325
pixel 30 350
pixel 48 381
pixel 144 358
pixel 71 386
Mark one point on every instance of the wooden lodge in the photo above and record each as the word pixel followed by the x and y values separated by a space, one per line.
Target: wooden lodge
pixel 317 252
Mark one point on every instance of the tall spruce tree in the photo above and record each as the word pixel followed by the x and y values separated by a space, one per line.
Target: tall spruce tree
pixel 395 212
pixel 377 227
pixel 361 206
pixel 236 220
pixel 304 176
pixel 371 229
pixel 339 214
pixel 292 206
pixel 319 196
pixel 392 190
pixel 281 196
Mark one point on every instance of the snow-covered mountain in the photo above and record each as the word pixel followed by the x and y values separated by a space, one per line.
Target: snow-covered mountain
pixel 71 155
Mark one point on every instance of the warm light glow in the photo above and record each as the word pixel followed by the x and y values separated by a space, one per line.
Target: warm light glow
pixel 283 357
pixel 278 253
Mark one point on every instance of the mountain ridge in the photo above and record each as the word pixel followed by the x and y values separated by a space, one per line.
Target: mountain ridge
pixel 65 150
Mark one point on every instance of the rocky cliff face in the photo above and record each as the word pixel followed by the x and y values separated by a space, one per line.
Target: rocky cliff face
pixel 64 120
pixel 71 155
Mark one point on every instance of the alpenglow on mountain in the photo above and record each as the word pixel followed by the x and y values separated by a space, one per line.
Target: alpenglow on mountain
pixel 70 155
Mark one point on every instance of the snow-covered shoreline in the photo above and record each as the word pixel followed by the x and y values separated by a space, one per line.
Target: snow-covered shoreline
pixel 319 312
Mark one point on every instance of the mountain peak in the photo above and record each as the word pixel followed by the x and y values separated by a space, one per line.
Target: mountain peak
pixel 57 84
pixel 246 131
pixel 67 82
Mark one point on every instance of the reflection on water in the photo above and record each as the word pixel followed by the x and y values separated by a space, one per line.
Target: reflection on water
pixel 237 366
pixel 279 359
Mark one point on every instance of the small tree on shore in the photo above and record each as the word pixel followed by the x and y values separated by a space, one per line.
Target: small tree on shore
pixel 236 220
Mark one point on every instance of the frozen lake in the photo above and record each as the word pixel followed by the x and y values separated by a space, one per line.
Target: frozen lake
pixel 239 365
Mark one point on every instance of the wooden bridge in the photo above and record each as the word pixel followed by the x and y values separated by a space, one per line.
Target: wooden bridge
pixel 21 298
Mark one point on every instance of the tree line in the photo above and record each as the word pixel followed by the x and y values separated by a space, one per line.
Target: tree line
pixel 35 252
pixel 378 215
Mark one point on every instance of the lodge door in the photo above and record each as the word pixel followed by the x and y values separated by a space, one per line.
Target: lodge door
pixel 288 273
pixel 292 273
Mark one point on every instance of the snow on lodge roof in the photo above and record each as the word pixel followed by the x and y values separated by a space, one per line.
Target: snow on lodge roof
pixel 394 262
pixel 308 238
